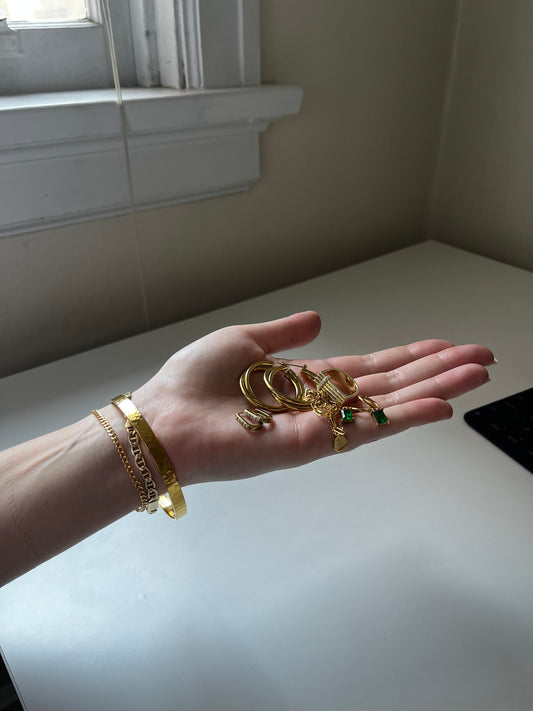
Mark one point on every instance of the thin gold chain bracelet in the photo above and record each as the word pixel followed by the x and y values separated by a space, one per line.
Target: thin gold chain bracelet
pixel 124 457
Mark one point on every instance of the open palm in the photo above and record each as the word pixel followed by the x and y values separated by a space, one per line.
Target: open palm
pixel 194 397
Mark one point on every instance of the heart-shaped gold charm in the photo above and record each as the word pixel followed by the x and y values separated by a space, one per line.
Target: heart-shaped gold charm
pixel 340 442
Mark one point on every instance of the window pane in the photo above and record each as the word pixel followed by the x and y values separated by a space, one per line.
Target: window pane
pixel 43 10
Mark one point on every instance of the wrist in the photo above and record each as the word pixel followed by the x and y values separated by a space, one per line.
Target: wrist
pixel 167 419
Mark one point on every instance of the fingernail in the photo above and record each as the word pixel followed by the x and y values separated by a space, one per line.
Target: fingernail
pixel 495 361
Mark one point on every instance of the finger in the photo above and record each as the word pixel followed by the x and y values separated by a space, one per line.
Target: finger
pixel 445 386
pixel 414 413
pixel 313 437
pixel 388 359
pixel 425 368
pixel 285 333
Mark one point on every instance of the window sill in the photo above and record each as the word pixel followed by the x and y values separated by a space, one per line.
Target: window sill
pixel 62 155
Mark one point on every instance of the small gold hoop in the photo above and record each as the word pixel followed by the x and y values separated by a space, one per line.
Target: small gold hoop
pixel 293 403
pixel 253 419
pixel 247 391
pixel 371 404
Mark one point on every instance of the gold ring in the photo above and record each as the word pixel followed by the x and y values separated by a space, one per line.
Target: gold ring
pixel 344 379
pixel 323 382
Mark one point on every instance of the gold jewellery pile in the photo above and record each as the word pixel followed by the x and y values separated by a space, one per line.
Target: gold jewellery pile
pixel 333 390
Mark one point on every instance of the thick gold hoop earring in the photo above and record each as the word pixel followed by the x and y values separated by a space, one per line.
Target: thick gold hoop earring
pixel 292 403
pixel 247 391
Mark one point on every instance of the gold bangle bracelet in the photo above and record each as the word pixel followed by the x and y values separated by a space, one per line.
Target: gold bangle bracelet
pixel 124 457
pixel 173 503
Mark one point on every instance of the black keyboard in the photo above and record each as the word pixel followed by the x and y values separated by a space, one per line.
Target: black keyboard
pixel 508 423
pixel 9 699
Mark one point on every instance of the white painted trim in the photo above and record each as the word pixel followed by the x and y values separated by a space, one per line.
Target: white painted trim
pixel 250 53
pixel 145 46
pixel 62 155
pixel 196 44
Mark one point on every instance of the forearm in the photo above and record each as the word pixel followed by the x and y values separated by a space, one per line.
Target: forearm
pixel 58 489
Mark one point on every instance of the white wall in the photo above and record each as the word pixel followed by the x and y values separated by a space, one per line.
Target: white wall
pixel 345 180
pixel 483 199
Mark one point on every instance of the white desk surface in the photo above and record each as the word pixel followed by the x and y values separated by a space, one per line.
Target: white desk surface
pixel 398 577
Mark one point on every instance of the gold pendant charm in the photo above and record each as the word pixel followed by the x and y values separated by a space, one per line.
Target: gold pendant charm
pixel 340 443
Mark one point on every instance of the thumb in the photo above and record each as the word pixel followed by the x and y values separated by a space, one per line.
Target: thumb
pixel 285 333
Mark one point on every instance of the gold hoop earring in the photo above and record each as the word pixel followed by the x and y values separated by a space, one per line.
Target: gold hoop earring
pixel 253 419
pixel 292 403
pixel 247 391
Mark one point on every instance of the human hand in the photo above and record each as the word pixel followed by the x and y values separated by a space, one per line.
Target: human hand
pixel 191 402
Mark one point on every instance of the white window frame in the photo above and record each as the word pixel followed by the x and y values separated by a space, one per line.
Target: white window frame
pixel 62 153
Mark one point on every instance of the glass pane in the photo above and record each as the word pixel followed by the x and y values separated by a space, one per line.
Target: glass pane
pixel 43 10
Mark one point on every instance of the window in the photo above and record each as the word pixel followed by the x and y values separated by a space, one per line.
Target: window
pixel 67 55
pixel 44 10
pixel 194 110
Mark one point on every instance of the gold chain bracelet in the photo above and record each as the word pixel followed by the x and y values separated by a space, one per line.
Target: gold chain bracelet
pixel 125 461
pixel 142 467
